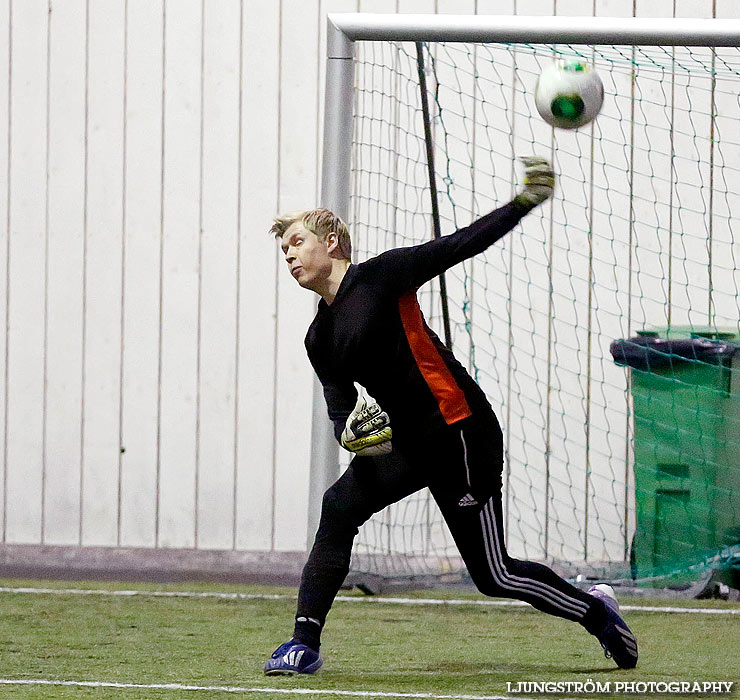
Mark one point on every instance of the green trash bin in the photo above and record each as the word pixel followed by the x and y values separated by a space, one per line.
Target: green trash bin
pixel 686 399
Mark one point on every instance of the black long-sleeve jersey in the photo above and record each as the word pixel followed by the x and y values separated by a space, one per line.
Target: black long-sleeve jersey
pixel 374 334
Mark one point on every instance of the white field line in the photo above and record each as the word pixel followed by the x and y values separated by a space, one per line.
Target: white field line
pixel 340 598
pixel 245 690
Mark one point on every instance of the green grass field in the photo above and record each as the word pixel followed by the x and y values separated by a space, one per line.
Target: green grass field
pixel 370 647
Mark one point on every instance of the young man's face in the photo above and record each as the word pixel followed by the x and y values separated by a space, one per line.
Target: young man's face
pixel 307 256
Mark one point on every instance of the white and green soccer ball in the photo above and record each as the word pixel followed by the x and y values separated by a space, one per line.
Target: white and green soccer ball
pixel 569 94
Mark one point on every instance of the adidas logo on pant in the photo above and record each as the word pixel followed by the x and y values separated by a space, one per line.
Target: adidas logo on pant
pixel 467 500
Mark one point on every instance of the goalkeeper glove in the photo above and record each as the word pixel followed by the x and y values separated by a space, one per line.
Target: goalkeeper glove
pixel 539 182
pixel 368 431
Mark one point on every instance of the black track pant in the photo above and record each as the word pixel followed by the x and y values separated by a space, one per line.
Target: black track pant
pixel 462 467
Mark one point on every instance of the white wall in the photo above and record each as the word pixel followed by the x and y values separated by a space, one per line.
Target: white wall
pixel 156 391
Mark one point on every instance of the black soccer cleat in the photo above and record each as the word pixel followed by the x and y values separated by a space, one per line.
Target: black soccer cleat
pixel 615 637
pixel 293 657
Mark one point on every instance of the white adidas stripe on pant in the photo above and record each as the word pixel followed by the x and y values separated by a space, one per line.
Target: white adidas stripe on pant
pixel 518 585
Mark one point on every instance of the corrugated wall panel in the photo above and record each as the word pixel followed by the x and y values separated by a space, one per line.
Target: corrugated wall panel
pixel 218 264
pixel 26 250
pixel 257 312
pixel 65 263
pixel 5 127
pixel 102 274
pixel 140 390
pixel 180 275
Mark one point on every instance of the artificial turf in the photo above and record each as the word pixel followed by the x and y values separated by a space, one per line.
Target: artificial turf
pixel 460 649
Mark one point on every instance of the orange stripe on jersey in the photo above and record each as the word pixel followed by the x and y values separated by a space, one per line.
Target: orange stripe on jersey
pixel 449 395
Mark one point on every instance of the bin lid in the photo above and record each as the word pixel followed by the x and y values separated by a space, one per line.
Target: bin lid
pixel 649 351
pixel 686 332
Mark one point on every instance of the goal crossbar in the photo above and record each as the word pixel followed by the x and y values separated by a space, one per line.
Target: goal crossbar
pixel 541 30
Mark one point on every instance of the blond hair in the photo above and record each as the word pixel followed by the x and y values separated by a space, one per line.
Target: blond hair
pixel 321 222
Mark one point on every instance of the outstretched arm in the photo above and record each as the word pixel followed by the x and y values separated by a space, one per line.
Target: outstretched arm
pixel 410 267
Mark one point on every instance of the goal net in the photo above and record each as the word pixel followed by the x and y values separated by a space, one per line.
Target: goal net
pixel 622 459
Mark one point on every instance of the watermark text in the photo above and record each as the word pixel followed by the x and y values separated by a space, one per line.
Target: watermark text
pixel 593 687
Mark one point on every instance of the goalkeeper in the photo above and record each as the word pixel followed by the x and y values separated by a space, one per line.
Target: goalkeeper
pixel 432 426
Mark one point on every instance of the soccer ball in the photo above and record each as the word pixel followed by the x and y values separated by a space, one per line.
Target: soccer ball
pixel 569 94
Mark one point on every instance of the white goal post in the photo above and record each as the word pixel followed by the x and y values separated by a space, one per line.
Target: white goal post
pixel 343 34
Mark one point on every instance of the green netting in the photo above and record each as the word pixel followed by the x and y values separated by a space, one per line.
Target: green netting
pixel 640 235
